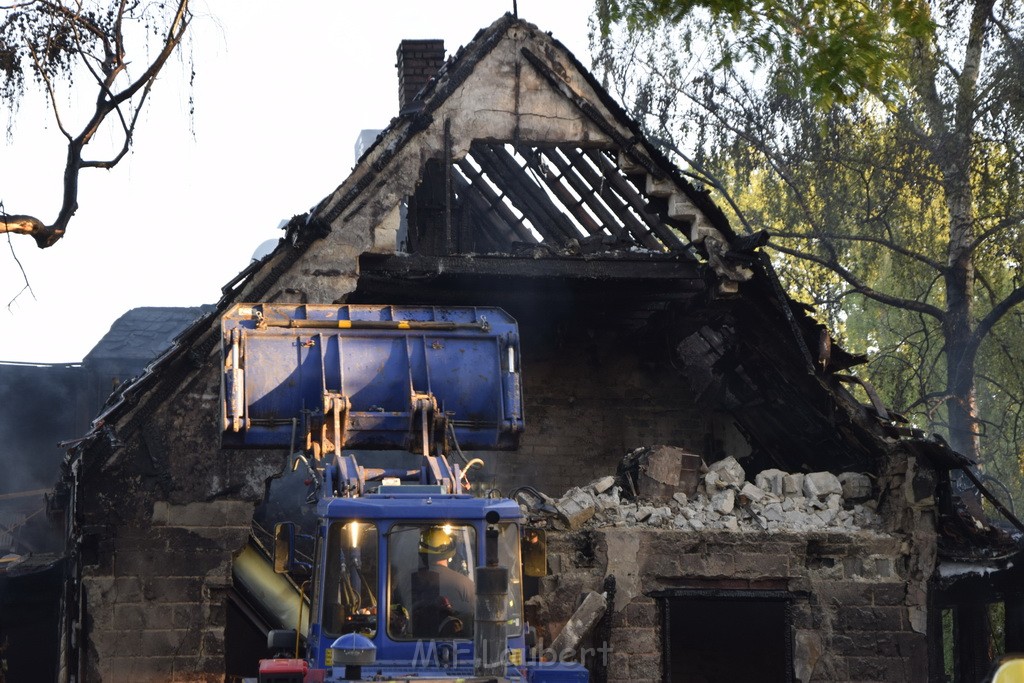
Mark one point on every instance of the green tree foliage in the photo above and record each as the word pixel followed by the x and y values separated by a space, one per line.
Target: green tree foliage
pixel 881 143
pixel 837 49
pixel 63 44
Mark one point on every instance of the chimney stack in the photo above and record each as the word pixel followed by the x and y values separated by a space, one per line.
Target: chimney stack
pixel 418 62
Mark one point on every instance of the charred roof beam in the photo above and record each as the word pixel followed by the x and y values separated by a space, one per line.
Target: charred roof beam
pixel 636 200
pixel 588 193
pixel 535 160
pixel 640 231
pixel 492 229
pixel 495 204
pixel 684 275
pixel 527 196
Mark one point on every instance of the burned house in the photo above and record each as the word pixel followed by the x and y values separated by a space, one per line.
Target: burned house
pixel 511 178
pixel 47 404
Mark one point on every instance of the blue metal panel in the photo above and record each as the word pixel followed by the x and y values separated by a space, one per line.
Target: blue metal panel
pixel 416 506
pixel 280 359
pixel 556 672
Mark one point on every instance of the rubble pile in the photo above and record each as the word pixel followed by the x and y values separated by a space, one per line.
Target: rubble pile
pixel 724 499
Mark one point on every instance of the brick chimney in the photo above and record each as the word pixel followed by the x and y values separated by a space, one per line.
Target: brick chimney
pixel 418 61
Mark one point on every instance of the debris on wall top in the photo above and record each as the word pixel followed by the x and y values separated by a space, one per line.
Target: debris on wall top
pixel 720 497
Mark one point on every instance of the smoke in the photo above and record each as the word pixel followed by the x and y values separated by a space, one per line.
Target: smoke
pixel 40 404
pixel 41 408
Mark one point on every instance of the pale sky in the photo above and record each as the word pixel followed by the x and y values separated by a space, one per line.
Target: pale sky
pixel 281 92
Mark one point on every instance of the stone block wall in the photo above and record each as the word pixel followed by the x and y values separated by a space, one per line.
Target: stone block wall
pixel 166 512
pixel 156 610
pixel 851 594
pixel 585 411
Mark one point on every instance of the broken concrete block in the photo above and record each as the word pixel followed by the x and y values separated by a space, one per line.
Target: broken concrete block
pixel 773 512
pixel 834 501
pixel 640 514
pixel 723 501
pixel 770 481
pixel 751 494
pixel 576 507
pixel 581 623
pixel 797 518
pixel 820 484
pixel 826 516
pixel 610 500
pixel 660 471
pixel 729 471
pixel 793 484
pixel 659 516
pixel 856 486
pixel 603 484
pixel 918 617
pixel 729 522
pixel 711 482
pixel 679 497
pixel 808 650
pixel 865 517
pixel 680 522
pixel 697 524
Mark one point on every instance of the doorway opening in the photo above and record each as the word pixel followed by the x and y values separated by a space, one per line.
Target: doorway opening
pixel 727 635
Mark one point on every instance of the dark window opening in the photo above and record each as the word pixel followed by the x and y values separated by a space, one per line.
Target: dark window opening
pixel 727 636
pixel 975 638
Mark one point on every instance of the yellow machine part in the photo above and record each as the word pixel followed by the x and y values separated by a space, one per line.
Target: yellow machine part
pixel 276 594
pixel 1010 671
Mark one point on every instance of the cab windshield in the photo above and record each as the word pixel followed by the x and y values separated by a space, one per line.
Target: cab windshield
pixel 350 579
pixel 431 569
pixel 509 557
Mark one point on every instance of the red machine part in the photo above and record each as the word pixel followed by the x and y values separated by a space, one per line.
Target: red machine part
pixel 283 670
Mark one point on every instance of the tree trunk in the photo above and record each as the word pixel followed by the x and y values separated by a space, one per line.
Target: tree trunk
pixel 958 325
pixel 961 380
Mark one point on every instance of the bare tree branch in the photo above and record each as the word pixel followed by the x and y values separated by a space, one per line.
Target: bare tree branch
pixel 888 244
pixel 860 287
pixel 986 324
pixel 24 275
pixel 49 92
pixel 108 101
pixel 1003 224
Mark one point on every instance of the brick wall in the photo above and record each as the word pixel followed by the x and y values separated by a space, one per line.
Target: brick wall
pixel 418 61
